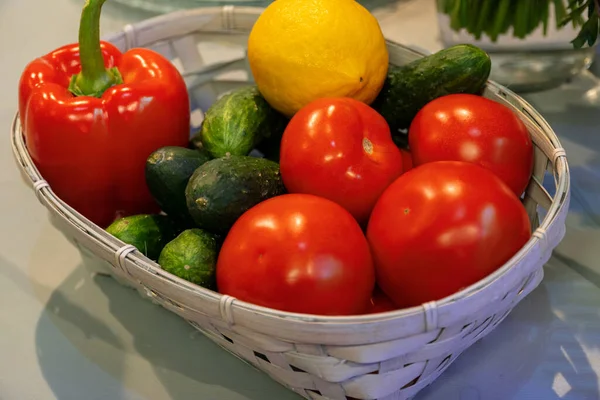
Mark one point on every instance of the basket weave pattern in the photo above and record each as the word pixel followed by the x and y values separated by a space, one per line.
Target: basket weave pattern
pixel 388 356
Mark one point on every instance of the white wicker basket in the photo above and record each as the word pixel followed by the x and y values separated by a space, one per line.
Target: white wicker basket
pixel 383 356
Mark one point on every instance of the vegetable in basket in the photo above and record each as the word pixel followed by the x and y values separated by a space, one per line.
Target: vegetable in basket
pixel 465 127
pixel 237 122
pixel 92 115
pixel 168 171
pixel 148 233
pixel 340 149
pixel 192 256
pixel 380 302
pixel 441 227
pixel 458 69
pixel 298 253
pixel 222 189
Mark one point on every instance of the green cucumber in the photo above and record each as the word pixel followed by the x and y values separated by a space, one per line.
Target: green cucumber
pixel 148 233
pixel 222 189
pixel 462 68
pixel 168 171
pixel 237 122
pixel 192 256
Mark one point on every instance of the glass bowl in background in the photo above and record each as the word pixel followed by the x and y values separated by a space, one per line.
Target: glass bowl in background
pixel 166 6
pixel 540 61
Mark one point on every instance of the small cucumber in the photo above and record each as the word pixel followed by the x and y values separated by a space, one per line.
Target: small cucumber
pixel 149 233
pixel 458 69
pixel 237 122
pixel 192 256
pixel 222 189
pixel 168 171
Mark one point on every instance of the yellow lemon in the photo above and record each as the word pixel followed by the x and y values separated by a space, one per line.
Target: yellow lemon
pixel 301 50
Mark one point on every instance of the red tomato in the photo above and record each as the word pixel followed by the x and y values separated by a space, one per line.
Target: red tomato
pixel 298 253
pixel 442 227
pixel 466 127
pixel 340 149
pixel 407 162
pixel 380 302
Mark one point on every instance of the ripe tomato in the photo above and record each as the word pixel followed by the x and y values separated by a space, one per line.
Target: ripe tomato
pixel 442 227
pixel 407 163
pixel 340 149
pixel 466 127
pixel 298 253
pixel 380 302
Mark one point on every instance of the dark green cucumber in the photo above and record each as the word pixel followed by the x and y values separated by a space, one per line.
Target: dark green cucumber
pixel 192 256
pixel 149 233
pixel 168 171
pixel 458 69
pixel 221 190
pixel 237 122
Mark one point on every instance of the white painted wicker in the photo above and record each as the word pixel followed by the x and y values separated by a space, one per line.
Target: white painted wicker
pixel 384 356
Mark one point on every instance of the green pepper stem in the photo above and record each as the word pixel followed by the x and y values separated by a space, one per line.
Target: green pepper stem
pixel 94 79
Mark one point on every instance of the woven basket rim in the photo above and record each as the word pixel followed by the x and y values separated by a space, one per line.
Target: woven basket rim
pixel 561 171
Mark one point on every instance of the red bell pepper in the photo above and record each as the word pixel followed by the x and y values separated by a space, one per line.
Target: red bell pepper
pixel 91 116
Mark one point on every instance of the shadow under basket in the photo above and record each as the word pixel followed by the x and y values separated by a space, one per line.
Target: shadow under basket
pixel 387 356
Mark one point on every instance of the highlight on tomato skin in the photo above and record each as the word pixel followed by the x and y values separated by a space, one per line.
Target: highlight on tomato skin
pixel 472 128
pixel 442 227
pixel 298 253
pixel 340 149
